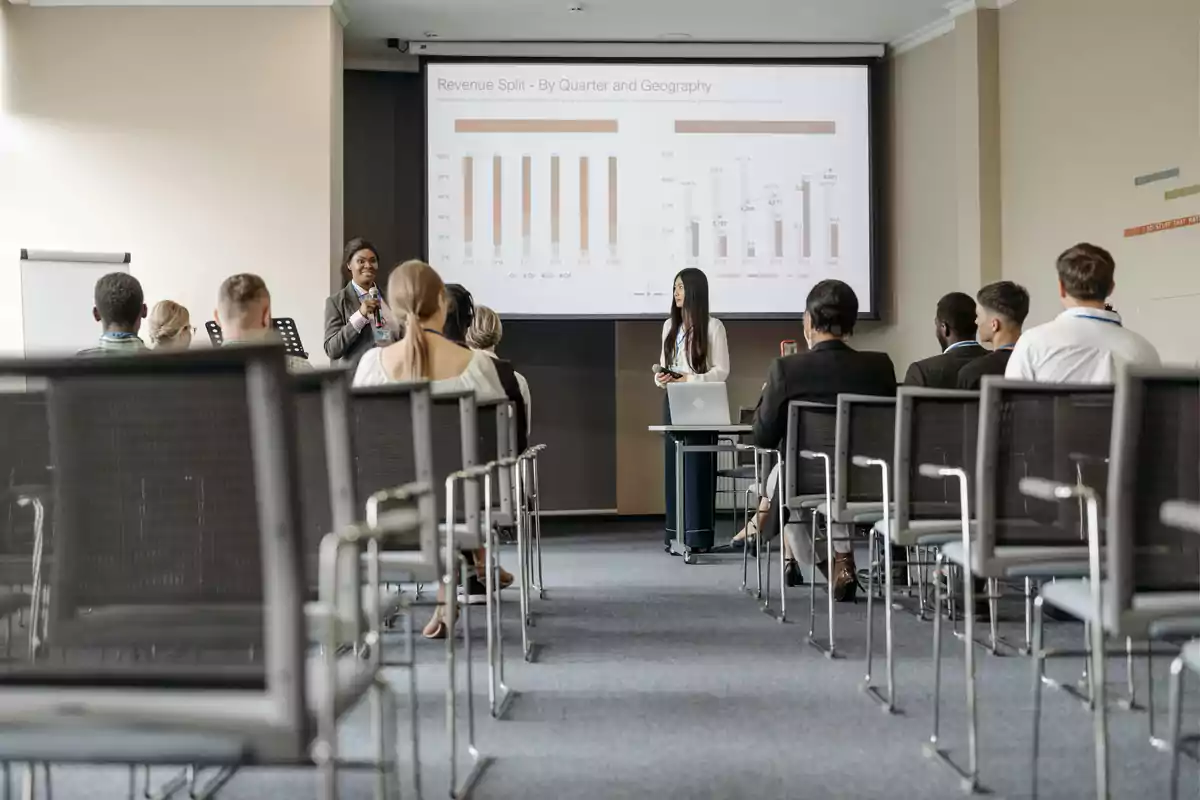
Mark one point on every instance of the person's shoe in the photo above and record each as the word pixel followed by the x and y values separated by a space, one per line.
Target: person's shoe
pixel 791 573
pixel 474 593
pixel 845 579
pixel 505 577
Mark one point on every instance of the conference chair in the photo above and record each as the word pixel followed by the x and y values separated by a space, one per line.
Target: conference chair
pixel 25 467
pixel 808 482
pixel 1024 429
pixel 865 442
pixel 174 631
pixel 1184 516
pixel 1144 584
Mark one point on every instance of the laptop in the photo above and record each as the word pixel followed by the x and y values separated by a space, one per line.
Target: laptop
pixel 698 403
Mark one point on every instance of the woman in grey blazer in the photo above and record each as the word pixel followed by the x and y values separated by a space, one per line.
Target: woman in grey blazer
pixel 355 319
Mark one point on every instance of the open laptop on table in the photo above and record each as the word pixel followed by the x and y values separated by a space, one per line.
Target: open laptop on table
pixel 698 403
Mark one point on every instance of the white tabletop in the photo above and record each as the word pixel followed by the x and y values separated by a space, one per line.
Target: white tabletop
pixel 701 428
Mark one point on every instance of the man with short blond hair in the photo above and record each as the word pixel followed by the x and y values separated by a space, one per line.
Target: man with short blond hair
pixel 244 314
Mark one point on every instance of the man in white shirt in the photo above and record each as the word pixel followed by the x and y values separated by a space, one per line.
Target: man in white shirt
pixel 244 314
pixel 1087 342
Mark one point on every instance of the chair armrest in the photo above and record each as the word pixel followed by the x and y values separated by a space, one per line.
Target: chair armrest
pixel 1044 489
pixel 1181 514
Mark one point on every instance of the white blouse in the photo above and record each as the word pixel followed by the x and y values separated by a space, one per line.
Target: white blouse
pixel 479 376
pixel 718 354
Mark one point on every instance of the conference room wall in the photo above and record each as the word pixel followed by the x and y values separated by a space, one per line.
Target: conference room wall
pixel 1094 93
pixel 201 140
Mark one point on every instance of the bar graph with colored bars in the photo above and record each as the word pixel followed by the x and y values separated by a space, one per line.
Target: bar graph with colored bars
pixel 591 171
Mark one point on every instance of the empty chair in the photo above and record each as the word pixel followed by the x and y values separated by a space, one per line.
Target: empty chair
pixel 1024 429
pixel 808 482
pixel 1145 582
pixel 25 474
pixel 176 546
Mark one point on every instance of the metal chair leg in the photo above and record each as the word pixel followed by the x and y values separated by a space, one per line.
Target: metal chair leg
pixel 1174 716
pixel 1038 676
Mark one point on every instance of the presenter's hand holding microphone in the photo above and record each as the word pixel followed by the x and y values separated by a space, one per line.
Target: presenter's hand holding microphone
pixel 370 307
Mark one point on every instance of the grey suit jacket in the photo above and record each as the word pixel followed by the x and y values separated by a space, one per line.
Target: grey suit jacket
pixel 343 344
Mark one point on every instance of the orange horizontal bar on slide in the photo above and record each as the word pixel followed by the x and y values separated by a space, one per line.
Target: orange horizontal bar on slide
pixel 1166 225
pixel 535 126
pixel 784 126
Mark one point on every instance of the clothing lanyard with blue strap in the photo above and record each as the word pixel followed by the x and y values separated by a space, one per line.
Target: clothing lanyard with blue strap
pixel 957 345
pixel 1116 322
pixel 680 340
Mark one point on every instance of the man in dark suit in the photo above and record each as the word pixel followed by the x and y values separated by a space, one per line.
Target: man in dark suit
pixel 1000 311
pixel 954 327
pixel 356 319
pixel 830 367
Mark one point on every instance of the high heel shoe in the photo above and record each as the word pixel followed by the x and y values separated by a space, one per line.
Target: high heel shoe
pixel 436 628
pixel 791 573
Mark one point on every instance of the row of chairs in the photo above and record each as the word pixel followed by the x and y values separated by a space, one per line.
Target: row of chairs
pixel 206 556
pixel 1058 491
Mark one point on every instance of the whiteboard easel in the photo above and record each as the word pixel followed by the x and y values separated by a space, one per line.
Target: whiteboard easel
pixel 57 297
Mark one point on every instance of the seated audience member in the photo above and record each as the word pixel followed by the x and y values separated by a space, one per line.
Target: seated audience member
pixel 954 327
pixel 485 334
pixel 420 300
pixel 244 314
pixel 120 309
pixel 830 367
pixel 350 326
pixel 460 317
pixel 170 326
pixel 1087 342
pixel 1000 311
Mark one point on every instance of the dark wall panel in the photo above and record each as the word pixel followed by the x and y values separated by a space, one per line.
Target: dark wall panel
pixel 570 365
pixel 384 162
pixel 572 380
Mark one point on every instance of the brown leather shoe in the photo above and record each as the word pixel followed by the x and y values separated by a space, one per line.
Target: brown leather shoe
pixel 845 578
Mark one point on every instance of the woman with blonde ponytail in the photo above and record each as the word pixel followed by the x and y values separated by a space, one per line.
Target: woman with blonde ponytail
pixel 417 295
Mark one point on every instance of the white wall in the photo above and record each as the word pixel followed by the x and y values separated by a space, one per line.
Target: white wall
pixel 203 141
pixel 1094 93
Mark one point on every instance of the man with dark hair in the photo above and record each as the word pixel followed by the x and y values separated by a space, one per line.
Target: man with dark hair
pixel 954 327
pixel 829 367
pixel 244 314
pixel 120 308
pixel 1087 342
pixel 1000 311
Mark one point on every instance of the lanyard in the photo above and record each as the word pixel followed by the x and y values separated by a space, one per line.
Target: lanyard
pixel 1004 347
pixel 118 335
pixel 957 345
pixel 1116 322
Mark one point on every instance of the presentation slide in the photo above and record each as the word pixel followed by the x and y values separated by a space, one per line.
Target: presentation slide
pixel 582 189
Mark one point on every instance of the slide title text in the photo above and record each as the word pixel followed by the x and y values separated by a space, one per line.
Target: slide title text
pixel 571 86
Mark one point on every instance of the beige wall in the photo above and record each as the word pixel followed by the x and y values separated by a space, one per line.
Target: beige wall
pixel 203 141
pixel 1094 93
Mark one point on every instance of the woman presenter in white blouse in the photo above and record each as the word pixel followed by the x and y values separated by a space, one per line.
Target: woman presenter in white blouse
pixel 694 348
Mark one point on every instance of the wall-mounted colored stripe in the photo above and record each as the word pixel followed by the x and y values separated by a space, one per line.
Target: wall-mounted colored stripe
pixel 1166 174
pixel 1166 225
pixel 1184 191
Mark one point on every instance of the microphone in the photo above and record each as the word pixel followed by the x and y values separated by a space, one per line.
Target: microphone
pixel 378 312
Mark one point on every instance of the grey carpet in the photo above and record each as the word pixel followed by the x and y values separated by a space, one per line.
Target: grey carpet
pixel 657 679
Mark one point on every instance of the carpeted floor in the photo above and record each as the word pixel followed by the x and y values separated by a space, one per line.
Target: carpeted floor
pixel 657 679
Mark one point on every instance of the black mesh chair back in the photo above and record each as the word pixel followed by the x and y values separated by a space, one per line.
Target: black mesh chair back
pixel 745 458
pixel 455 437
pixel 866 426
pixel 391 428
pixel 1156 457
pixel 492 430
pixel 1055 431
pixel 24 471
pixel 176 494
pixel 811 426
pixel 933 426
pixel 325 447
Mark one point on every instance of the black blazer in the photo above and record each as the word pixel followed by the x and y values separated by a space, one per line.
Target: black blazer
pixel 941 371
pixel 819 375
pixel 994 363
pixel 343 344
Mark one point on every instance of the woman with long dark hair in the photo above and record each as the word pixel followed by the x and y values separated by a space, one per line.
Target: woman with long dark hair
pixel 694 348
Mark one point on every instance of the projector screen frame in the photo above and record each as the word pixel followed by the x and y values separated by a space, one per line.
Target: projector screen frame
pixel 877 99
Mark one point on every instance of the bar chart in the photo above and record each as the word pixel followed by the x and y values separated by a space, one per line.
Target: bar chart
pixel 587 194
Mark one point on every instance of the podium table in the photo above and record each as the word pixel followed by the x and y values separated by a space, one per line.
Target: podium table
pixel 693 439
